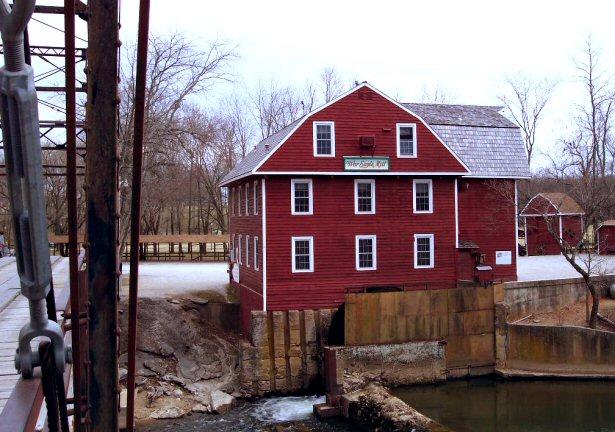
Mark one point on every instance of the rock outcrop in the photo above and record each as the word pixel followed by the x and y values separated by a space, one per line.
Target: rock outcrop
pixel 184 364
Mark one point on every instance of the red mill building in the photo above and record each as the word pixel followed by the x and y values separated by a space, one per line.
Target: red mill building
pixel 366 192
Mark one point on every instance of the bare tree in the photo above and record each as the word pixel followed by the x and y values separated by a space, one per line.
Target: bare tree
pixel 275 106
pixel 436 95
pixel 331 84
pixel 525 101
pixel 177 70
pixel 594 119
pixel 597 198
pixel 584 171
pixel 237 114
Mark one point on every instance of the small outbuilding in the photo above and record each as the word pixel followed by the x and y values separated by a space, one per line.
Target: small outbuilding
pixel 605 237
pixel 553 211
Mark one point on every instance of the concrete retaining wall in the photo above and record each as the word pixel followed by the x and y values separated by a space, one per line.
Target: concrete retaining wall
pixel 463 317
pixel 561 351
pixel 285 352
pixel 525 298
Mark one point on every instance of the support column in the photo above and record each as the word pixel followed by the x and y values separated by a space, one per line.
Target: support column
pixel 103 212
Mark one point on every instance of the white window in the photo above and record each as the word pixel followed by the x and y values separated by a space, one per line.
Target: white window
pixel 256 253
pixel 255 191
pixel 232 201
pixel 365 246
pixel 233 243
pixel 247 199
pixel 303 254
pixel 238 200
pixel 324 139
pixel 239 260
pixel 422 196
pixel 301 202
pixel 423 250
pixel 248 251
pixel 406 140
pixel 365 196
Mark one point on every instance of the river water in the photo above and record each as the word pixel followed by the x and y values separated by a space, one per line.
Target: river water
pixel 288 414
pixel 476 405
pixel 491 405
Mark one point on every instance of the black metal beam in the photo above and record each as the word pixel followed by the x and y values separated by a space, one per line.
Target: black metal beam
pixel 101 185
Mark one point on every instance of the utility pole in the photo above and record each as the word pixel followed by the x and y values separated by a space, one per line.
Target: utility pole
pixel 103 213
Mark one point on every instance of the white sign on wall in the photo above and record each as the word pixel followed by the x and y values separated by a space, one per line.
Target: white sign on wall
pixel 503 257
pixel 357 163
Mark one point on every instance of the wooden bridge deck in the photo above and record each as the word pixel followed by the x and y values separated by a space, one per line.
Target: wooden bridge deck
pixel 14 314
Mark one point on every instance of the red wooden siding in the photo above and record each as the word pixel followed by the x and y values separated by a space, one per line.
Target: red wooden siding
pixel 538 238
pixel 251 225
pixel 605 237
pixel 356 116
pixel 487 218
pixel 572 229
pixel 250 300
pixel 541 242
pixel 334 226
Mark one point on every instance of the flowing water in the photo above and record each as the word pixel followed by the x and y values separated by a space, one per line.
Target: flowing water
pixel 491 405
pixel 288 414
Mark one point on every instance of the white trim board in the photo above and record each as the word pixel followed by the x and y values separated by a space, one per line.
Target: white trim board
pixel 264 245
pixel 373 173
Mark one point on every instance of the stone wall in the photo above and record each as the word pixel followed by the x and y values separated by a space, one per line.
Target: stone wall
pixel 389 364
pixel 285 351
pixel 558 351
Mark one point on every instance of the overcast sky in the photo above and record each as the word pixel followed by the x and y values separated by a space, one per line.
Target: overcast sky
pixel 463 47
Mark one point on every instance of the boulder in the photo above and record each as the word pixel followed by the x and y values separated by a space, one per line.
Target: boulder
pixel 221 402
pixel 200 408
pixel 169 412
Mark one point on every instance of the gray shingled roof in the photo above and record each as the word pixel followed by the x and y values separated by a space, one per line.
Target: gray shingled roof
pixel 259 152
pixel 487 151
pixel 460 115
pixel 486 141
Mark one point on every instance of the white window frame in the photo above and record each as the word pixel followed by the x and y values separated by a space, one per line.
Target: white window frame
pixel 310 197
pixel 255 192
pixel 233 243
pixel 431 251
pixel 430 183
pixel 247 199
pixel 239 260
pixel 292 247
pixel 314 140
pixel 372 182
pixel 232 201
pixel 414 143
pixel 247 251
pixel 374 252
pixel 256 263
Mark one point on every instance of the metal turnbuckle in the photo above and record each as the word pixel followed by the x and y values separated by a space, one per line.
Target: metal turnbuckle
pixel 22 151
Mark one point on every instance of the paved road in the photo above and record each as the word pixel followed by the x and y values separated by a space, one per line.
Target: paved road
pixel 14 314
